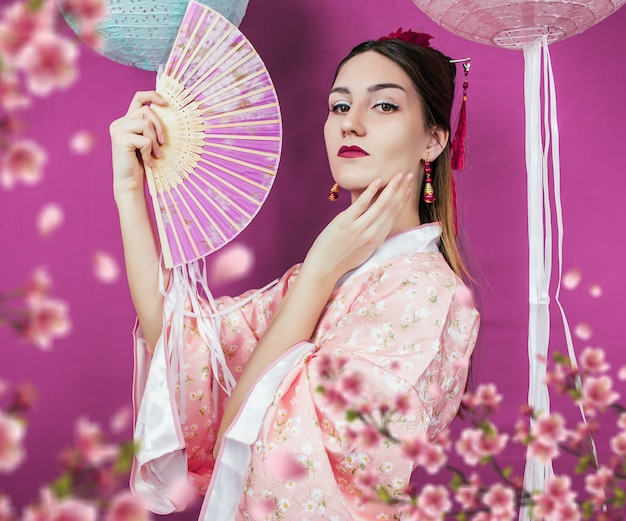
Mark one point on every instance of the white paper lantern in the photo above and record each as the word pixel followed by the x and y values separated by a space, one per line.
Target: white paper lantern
pixel 141 33
pixel 514 24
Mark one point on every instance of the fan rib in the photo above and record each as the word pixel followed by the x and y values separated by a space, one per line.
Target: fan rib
pixel 182 220
pixel 171 226
pixel 231 173
pixel 242 136
pixel 177 61
pixel 193 216
pixel 204 212
pixel 244 97
pixel 232 187
pixel 237 112
pixel 215 205
pixel 240 162
pixel 233 86
pixel 244 150
pixel 251 123
pixel 208 52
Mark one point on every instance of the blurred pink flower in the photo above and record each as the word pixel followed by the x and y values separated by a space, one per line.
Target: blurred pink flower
pixel 424 453
pixel 286 466
pixel 618 444
pixel 82 142
pixel 11 449
pixel 47 318
pixel 475 444
pixel 19 22
pixel 592 360
pixel 11 96
pixel 121 420
pixel 595 290
pixel 52 509
pixel 87 11
pixel 22 162
pixel 49 63
pixel 466 496
pixel 556 501
pixel 544 452
pixel 89 443
pixel 38 285
pixel 126 507
pixel 501 502
pixel 487 396
pixel 549 428
pixel 49 219
pixel 571 279
pixel 598 394
pixel 231 263
pixel 434 501
pixel 105 267
pixel 583 331
pixel 597 483
pixel 6 509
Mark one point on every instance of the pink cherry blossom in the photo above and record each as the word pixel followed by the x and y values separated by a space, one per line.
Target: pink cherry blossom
pixel 53 509
pixel 592 360
pixel 6 509
pixel 105 267
pixel 466 496
pixel 434 501
pixel 19 22
pixel 622 373
pixel 286 466
pixel 127 507
pixel 549 428
pixel 597 483
pixel 11 95
pixel 49 63
pixel 555 499
pixel 11 437
pixel 90 443
pixel 87 11
pixel 618 444
pixel 571 279
pixel 38 285
pixel 475 444
pixel 233 262
pixel 621 421
pixel 47 318
pixel 595 290
pixel 487 396
pixel 121 420
pixel 501 502
pixel 522 431
pixel 82 142
pixel 544 452
pixel 598 394
pixel 49 219
pixel 583 331
pixel 22 162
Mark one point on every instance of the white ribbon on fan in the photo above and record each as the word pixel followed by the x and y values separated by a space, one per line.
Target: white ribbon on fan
pixel 540 242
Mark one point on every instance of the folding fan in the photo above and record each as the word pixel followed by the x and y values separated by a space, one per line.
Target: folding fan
pixel 223 138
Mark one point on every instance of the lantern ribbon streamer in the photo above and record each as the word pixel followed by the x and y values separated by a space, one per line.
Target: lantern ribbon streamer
pixel 540 242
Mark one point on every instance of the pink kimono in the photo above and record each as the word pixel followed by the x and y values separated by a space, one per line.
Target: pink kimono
pixel 403 319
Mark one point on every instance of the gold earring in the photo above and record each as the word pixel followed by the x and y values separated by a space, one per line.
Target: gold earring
pixel 429 192
pixel 334 193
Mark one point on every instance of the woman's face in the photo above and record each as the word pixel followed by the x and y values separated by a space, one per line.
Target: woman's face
pixel 375 126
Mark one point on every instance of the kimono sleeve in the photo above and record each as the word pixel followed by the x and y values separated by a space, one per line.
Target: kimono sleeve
pixel 178 392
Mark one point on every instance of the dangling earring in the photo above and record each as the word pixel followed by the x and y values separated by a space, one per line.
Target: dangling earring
pixel 429 192
pixel 334 193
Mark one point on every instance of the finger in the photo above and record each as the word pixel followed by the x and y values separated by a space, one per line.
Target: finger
pixel 390 203
pixel 142 98
pixel 364 201
pixel 149 125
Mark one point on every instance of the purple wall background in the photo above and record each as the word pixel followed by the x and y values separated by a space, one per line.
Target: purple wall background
pixel 89 372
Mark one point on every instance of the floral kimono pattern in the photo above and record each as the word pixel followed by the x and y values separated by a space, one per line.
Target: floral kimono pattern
pixel 403 322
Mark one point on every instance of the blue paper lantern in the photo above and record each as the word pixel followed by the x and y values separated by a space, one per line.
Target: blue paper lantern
pixel 140 33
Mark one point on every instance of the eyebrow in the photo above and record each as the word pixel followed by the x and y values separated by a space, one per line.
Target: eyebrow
pixel 373 88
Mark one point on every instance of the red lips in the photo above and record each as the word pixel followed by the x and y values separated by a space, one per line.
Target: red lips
pixel 352 151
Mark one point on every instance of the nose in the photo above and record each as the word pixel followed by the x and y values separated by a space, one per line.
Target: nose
pixel 352 123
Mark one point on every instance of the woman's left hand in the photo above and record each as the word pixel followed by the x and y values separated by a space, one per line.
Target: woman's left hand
pixel 357 232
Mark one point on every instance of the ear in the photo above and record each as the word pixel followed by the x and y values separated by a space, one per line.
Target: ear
pixel 438 141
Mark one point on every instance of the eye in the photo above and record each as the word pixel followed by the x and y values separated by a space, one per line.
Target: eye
pixel 340 107
pixel 386 106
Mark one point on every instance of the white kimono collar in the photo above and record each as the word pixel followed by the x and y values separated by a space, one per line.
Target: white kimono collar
pixel 424 238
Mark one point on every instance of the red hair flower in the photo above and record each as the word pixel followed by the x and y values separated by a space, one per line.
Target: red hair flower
pixel 421 39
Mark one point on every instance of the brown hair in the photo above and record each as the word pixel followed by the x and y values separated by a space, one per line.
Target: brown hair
pixel 433 77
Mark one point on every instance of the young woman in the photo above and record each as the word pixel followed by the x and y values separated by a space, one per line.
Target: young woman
pixel 380 290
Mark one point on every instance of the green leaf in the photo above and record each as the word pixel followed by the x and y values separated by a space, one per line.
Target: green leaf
pixel 456 482
pixel 62 486
pixel 351 415
pixel 320 389
pixel 383 494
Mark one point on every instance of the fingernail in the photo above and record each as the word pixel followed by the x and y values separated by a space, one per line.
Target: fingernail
pixel 162 139
pixel 409 177
pixel 158 153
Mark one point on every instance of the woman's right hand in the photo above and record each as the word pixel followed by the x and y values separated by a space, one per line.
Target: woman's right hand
pixel 136 140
